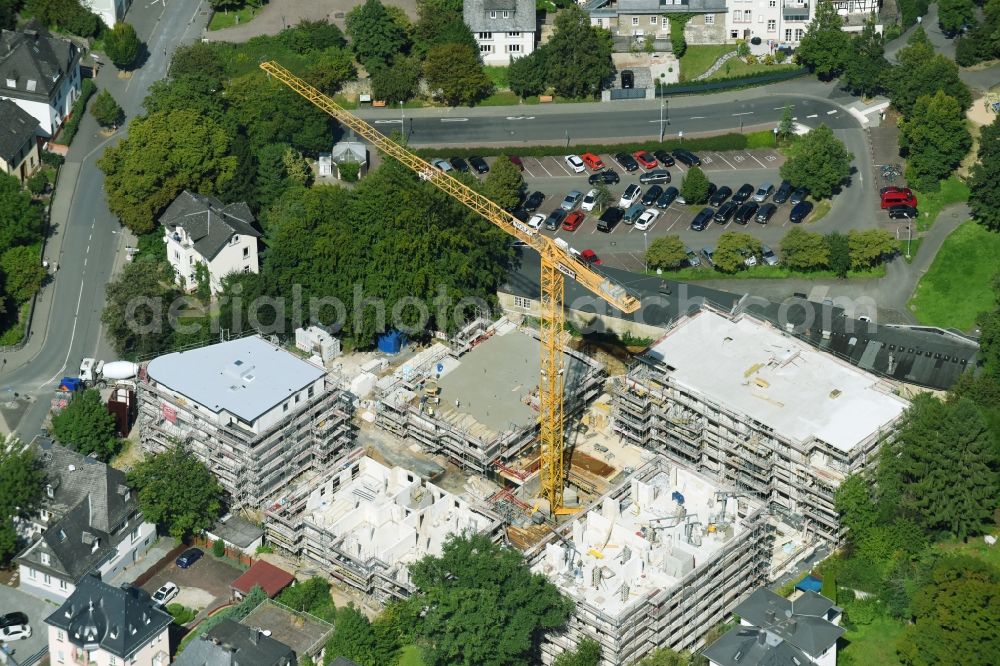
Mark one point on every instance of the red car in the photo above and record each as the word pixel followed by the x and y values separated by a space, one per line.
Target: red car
pixel 593 162
pixel 573 220
pixel 906 198
pixel 590 257
pixel 516 161
pixel 645 159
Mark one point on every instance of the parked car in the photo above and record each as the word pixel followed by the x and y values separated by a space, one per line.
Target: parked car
pixel 575 163
pixel 651 195
pixel 746 212
pixel 14 626
pixel 686 157
pixel 903 212
pixel 626 161
pixel 725 212
pixel 798 196
pixel 765 212
pixel 609 219
pixel 655 176
pixel 633 212
pixel 890 199
pixel 592 161
pixel 647 219
pixel 533 201
pixel 589 201
pixel 763 192
pixel 520 214
pixel 555 219
pixel 667 197
pixel 572 200
pixel 701 220
pixel 443 165
pixel 800 211
pixel 720 196
pixel 516 161
pixel 744 193
pixel 629 196
pixel 479 164
pixel 189 557
pixel 768 255
pixel 894 188
pixel 460 164
pixel 608 177
pixel 708 253
pixel 588 256
pixel 692 257
pixel 573 220
pixel 664 158
pixel 628 79
pixel 782 193
pixel 535 221
pixel 165 594
pixel 645 158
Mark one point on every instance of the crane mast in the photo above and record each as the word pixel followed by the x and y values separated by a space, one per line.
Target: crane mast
pixel 557 264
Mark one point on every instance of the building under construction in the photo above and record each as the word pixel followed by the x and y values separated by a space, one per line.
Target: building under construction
pixel 656 562
pixel 759 410
pixel 256 415
pixel 365 523
pixel 476 400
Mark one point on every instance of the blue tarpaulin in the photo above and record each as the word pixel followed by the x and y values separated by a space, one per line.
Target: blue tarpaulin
pixel 809 583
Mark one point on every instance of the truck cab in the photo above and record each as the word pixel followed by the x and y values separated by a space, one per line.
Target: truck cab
pixel 90 370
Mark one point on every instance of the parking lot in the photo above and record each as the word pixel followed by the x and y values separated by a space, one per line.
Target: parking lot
pixel 28 650
pixel 203 586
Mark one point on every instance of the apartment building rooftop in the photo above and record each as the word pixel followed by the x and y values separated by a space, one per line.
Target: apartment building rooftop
pixel 246 377
pixel 775 379
pixel 648 539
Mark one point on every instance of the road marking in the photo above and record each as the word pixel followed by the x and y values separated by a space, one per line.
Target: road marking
pixel 386 122
pixel 830 113
pixel 813 115
pixel 528 172
pixel 795 117
pixel 543 167
pixel 697 118
pixel 725 160
pixel 560 163
pixel 756 160
pixel 520 117
pixel 782 108
pixel 744 113
pixel 454 120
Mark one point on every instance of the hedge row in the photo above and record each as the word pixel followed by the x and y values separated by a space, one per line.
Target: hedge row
pixel 730 141
pixel 87 89
pixel 729 82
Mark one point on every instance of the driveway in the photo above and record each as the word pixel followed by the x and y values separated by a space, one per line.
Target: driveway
pixel 280 14
pixel 30 650
pixel 203 586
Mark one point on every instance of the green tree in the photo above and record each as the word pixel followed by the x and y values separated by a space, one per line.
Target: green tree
pixel 787 124
pixel 666 252
pixel 87 426
pixel 667 657
pixel 603 196
pixel 68 15
pixel 857 510
pixel 242 186
pixel 528 74
pixel 296 167
pixel 825 48
pixel 984 185
pixel 504 182
pixel 22 490
pixel 803 250
pixel 732 249
pixel 105 109
pixel 955 15
pixel 869 248
pixel 818 161
pixel 270 112
pixel 840 253
pixel 164 154
pixel 678 21
pixel 311 37
pixel 694 186
pixel 22 272
pixel 950 467
pixel 399 81
pixel 587 653
pixel 956 616
pixel 455 74
pixel 919 71
pixel 20 217
pixel 353 638
pixel 311 596
pixel 137 305
pixel 176 492
pixel 330 68
pixel 866 67
pixel 273 178
pixel 440 22
pixel 935 138
pixel 581 63
pixel 122 45
pixel 38 183
pixel 375 37
pixel 197 58
pixel 191 92
pixel 482 604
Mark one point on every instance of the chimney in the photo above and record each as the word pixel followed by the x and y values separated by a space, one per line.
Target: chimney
pixel 761 637
pixel 792 624
pixel 770 616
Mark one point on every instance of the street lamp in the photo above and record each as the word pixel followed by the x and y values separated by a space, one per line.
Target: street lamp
pixel 909 237
pixel 775 137
pixel 402 123
pixel 661 119
pixel 666 104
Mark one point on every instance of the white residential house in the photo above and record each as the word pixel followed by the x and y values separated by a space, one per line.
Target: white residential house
pixel 18 141
pixel 776 22
pixel 89 523
pixel 110 11
pixel 103 625
pixel 504 29
pixel 200 229
pixel 41 74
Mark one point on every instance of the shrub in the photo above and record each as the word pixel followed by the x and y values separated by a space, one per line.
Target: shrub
pixel 755 41
pixel 264 549
pixel 860 612
pixel 182 615
pixel 38 183
pixel 751 59
pixel 768 59
pixel 349 171
pixel 219 548
pixel 76 114
pixel 717 142
pixel 52 159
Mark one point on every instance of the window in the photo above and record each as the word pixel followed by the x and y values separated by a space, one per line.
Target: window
pixel 486 35
pixel 506 14
pixel 32 574
pixel 737 16
pixel 653 20
pixel 734 34
pixel 234 240
pixel 513 34
pixel 770 25
pixel 246 252
pixel 520 302
pixel 600 23
pixel 49 491
pixel 513 48
pixel 43 514
pixel 45 559
pixel 135 535
pixel 486 48
pixel 48 579
pixel 62 585
pixel 60 636
pixel 635 20
pixel 772 3
pixel 60 657
pixel 309 393
pixel 493 15
pixel 788 34
pixel 284 407
pixel 665 23
pixel 246 269
pixel 747 18
pixel 298 397
pixel 709 19
pixel 112 661
pixel 799 32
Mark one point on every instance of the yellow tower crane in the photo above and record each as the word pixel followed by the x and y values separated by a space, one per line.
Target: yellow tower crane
pixel 557 263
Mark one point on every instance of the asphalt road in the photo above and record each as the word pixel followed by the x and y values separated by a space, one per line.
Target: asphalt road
pixel 91 240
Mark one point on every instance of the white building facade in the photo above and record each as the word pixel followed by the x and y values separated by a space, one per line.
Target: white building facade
pixel 110 11
pixel 504 29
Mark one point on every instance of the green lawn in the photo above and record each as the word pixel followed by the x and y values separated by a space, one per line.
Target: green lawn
pixel 957 286
pixel 697 59
pixel 930 203
pixel 914 246
pixel 874 643
pixel 410 656
pixel 975 548
pixel 737 67
pixel 498 75
pixel 223 19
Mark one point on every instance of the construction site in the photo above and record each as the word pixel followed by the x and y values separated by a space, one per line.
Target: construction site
pixel 759 411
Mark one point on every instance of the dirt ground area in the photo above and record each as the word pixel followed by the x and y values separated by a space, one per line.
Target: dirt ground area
pixel 592 465
pixel 280 14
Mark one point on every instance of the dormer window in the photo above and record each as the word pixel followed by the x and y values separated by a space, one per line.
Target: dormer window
pixel 97 544
pixel 45 559
pixel 49 491
pixel 30 86
pixel 12 83
pixel 506 14
pixel 493 15
pixel 235 239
